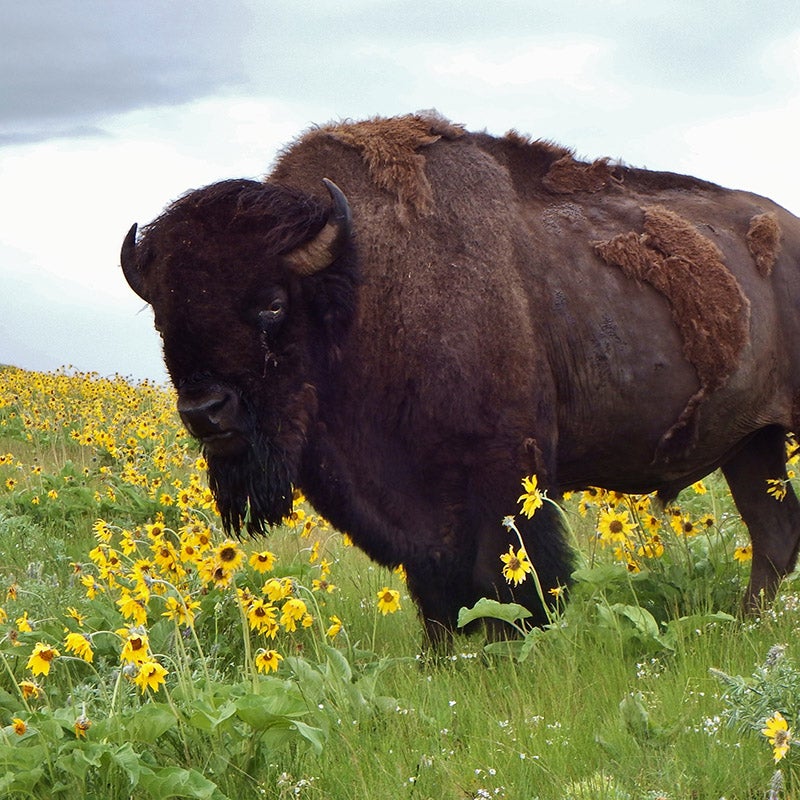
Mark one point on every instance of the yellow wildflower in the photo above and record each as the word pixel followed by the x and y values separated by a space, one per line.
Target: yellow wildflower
pixel 388 601
pixel 151 675
pixel 23 625
pixel 136 649
pixel 132 609
pixel 614 527
pixel 261 615
pixel 102 531
pixel 73 613
pixel 292 611
pixel 229 555
pixel 20 726
pixel 777 730
pixel 531 498
pixel 517 565
pixel 181 610
pixel 268 660
pixel 743 554
pixel 776 488
pixel 29 689
pixel 41 658
pixel 263 561
pixel 82 724
pixel 79 644
pixel 652 548
pixel 322 585
pixel 336 626
pixel 276 589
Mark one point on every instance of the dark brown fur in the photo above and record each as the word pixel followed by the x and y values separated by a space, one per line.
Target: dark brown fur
pixel 465 333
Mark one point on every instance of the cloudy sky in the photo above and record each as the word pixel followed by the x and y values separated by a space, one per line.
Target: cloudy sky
pixel 109 110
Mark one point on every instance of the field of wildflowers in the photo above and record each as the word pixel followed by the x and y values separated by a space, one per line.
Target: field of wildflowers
pixel 144 654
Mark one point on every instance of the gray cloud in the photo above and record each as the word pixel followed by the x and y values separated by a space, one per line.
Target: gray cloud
pixel 66 61
pixel 65 65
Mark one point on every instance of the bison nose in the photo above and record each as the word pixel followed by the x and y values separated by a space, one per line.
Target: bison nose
pixel 209 414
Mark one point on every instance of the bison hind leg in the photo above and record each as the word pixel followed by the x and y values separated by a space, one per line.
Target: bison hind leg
pixel 774 525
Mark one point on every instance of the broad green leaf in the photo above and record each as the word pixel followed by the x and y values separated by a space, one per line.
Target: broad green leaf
pixel 167 782
pixel 206 717
pixel 261 712
pixel 23 781
pixel 644 622
pixel 150 722
pixel 315 736
pixel 129 761
pixel 486 608
pixel 77 758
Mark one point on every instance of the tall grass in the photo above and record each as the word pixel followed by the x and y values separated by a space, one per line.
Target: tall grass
pixel 647 684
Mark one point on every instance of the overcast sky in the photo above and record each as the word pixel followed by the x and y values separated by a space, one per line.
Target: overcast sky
pixel 110 110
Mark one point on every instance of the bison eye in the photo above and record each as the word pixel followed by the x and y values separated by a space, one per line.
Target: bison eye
pixel 272 316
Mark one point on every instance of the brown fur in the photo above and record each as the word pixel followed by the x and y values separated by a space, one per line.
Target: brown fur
pixel 706 301
pixel 391 150
pixel 764 241
pixel 566 175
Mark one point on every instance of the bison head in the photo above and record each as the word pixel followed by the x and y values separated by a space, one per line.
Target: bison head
pixel 253 288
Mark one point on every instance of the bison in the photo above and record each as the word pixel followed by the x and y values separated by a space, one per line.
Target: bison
pixel 404 319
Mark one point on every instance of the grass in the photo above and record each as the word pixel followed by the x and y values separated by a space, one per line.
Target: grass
pixel 616 699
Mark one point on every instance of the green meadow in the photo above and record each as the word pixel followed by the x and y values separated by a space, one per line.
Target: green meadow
pixel 145 655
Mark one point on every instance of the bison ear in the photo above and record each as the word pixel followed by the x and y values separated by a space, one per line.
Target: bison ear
pixel 321 251
pixel 130 267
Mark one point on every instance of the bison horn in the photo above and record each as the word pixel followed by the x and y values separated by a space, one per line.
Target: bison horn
pixel 130 268
pixel 323 249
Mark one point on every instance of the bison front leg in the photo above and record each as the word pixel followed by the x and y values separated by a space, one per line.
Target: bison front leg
pixel 440 586
pixel 774 524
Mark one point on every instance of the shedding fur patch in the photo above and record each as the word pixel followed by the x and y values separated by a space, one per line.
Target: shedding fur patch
pixel 566 175
pixel 764 241
pixel 390 149
pixel 707 304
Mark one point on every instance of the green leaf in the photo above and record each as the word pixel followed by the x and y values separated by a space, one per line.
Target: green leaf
pixel 166 782
pixel 643 621
pixel 635 716
pixel 315 736
pixel 77 758
pixel 129 761
pixel 338 665
pixel 150 722
pixel 486 608
pixel 23 781
pixel 206 717
pixel 20 768
pixel 261 712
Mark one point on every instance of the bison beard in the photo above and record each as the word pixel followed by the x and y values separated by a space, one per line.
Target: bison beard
pixel 253 489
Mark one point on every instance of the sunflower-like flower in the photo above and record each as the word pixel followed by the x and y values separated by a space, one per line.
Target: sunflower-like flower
pixel 777 730
pixel 41 658
pixel 614 526
pixel 263 561
pixel 531 498
pixel 268 660
pixel 79 644
pixel 517 566
pixel 151 675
